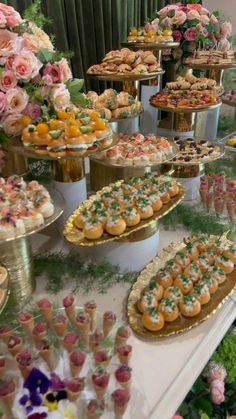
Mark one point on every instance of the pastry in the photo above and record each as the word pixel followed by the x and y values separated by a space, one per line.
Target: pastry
pixel 193 271
pixel 120 398
pixel 93 229
pixel 94 408
pixel 164 277
pixel 210 281
pixel 131 216
pixel 109 319
pixel 122 335
pixel 144 208
pixel 90 308
pixel 231 253
pixel 169 309
pixel 184 283
pixel 201 292
pixel 224 263
pixel 74 388
pixel 174 293
pixel 70 340
pixel 115 225
pixel 102 357
pixel 83 322
pixel 182 259
pixel 69 304
pixel 192 251
pixel 203 262
pixel 124 354
pixel 146 301
pixel 100 380
pixel 190 306
pixel 77 360
pixel 173 267
pixel 45 308
pixel 156 288
pixel 218 274
pixel 80 220
pixel 153 320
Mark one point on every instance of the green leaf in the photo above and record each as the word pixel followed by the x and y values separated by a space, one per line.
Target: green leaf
pixel 79 99
pixel 75 85
pixel 205 405
pixel 1 71
pixel 4 137
pixel 199 386
pixel 44 55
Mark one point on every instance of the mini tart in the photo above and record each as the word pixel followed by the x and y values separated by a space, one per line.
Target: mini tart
pixel 202 293
pixel 115 225
pixel 223 262
pixel 219 246
pixel 131 216
pixel 169 309
pixel 173 267
pixel 192 251
pixel 203 263
pixel 209 254
pixel 146 301
pixel 80 220
pixel 218 274
pixel 210 281
pixel 190 306
pixel 93 229
pixel 193 271
pixel 173 190
pixel 144 208
pixel 231 253
pixel 182 259
pixel 201 243
pixel 184 283
pixel 156 288
pixel 164 278
pixel 153 320
pixel 174 293
pixel 156 201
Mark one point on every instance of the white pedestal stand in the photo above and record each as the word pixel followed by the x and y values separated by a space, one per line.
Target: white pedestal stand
pixel 128 126
pixel 191 187
pixel 148 120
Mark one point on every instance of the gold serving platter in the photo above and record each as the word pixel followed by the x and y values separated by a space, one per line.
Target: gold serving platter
pixel 228 102
pixel 150 45
pixel 75 236
pixel 219 66
pixel 126 77
pixel 187 109
pixel 182 324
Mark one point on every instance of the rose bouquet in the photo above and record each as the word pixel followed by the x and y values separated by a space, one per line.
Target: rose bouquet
pixel 34 78
pixel 193 26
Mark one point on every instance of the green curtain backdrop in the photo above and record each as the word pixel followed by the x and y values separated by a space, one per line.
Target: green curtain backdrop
pixel 90 28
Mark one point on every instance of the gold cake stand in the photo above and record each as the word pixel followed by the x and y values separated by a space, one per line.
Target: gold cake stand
pixel 214 71
pixel 16 255
pixel 156 47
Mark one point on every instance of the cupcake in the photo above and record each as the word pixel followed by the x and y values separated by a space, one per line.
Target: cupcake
pixel 109 319
pixel 169 309
pixel 189 306
pixel 100 381
pixel 124 354
pixel 123 376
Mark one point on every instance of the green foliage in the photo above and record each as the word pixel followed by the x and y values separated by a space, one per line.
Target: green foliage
pixel 226 355
pixel 33 14
pixel 44 55
pixel 74 86
pixel 58 55
pixel 225 125
pixel 4 139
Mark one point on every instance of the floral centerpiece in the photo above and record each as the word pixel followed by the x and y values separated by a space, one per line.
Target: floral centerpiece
pixel 34 77
pixel 193 26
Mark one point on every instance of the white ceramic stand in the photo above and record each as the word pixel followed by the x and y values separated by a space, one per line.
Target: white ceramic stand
pixel 74 193
pixel 148 119
pixel 191 187
pixel 128 126
pixel 132 256
pixel 207 124
pixel 165 132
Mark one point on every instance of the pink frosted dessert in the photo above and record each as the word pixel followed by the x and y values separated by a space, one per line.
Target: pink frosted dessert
pixel 5 332
pixel 121 398
pixel 59 324
pixel 2 366
pixel 109 319
pixel 74 388
pixel 124 353
pixel 95 340
pixel 122 334
pixel 69 305
pixel 45 307
pixel 123 376
pixel 39 331
pixel 15 344
pixel 70 340
pixel 102 357
pixel 95 408
pixel 100 380
pixel 24 362
pixel 77 360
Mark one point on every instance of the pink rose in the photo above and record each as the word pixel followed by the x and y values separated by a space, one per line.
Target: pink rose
pixel 33 110
pixel 201 29
pixel 9 44
pixel 6 9
pixel 177 417
pixel 163 12
pixel 12 124
pixel 204 19
pixel 217 389
pixel 213 20
pixel 26 65
pixel 65 70
pixel 216 372
pixel 148 26
pixel 60 97
pixel 179 18
pixel 177 35
pixel 14 19
pixel 53 70
pixel 204 11
pixel 193 14
pixel 226 29
pixel 167 22
pixel 17 99
pixel 3 20
pixel 7 80
pixel 47 80
pixel 155 23
pixel 190 34
pixel 194 7
pixel 3 102
pixel 9 61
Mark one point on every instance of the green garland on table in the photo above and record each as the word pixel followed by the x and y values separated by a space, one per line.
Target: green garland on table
pixel 63 269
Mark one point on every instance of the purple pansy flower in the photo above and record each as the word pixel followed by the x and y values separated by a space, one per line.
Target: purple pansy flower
pixel 56 383
pixel 37 380
pixel 29 402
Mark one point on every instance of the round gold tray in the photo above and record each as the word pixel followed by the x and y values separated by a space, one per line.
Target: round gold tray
pixel 59 204
pixel 192 163
pixel 125 77
pixel 229 102
pixel 75 236
pixel 150 45
pixel 106 161
pixel 6 288
pixel 220 66
pixel 181 324
pixel 186 110
pixel 17 146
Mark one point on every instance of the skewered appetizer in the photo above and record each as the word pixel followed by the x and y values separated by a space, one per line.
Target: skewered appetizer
pixel 192 151
pixel 23 206
pixel 137 149
pixel 190 82
pixel 136 199
pixel 183 285
pixel 125 61
pixel 143 35
pixel 68 133
pixel 182 99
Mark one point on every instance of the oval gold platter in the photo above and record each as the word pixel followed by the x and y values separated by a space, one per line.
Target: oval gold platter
pixel 181 324
pixel 126 77
pixel 186 109
pixel 75 236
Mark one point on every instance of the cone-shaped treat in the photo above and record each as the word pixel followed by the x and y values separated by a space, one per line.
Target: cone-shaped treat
pixel 109 319
pixel 124 354
pixel 90 308
pixel 203 190
pixel 46 351
pixel 77 359
pixel 74 388
pixel 231 208
pixel 219 205
pixel 121 398
pixel 209 201
pixel 83 321
pixel 2 366
pixel 69 305
pixel 15 345
pixel 102 357
pixel 26 320
pixel 94 408
pixel 100 380
pixel 24 362
pixel 123 376
pixel 96 339
pixel 59 325
pixel 122 334
pixel 45 308
pixel 39 331
pixel 8 393
pixel 5 333
pixel 70 340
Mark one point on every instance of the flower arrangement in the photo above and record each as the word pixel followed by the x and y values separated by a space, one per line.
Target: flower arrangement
pixel 34 78
pixel 193 26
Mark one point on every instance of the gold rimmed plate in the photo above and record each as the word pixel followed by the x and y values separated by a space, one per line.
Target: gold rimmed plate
pixel 126 77
pixel 186 109
pixel 75 236
pixel 182 324
pixel 208 66
pixel 150 45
